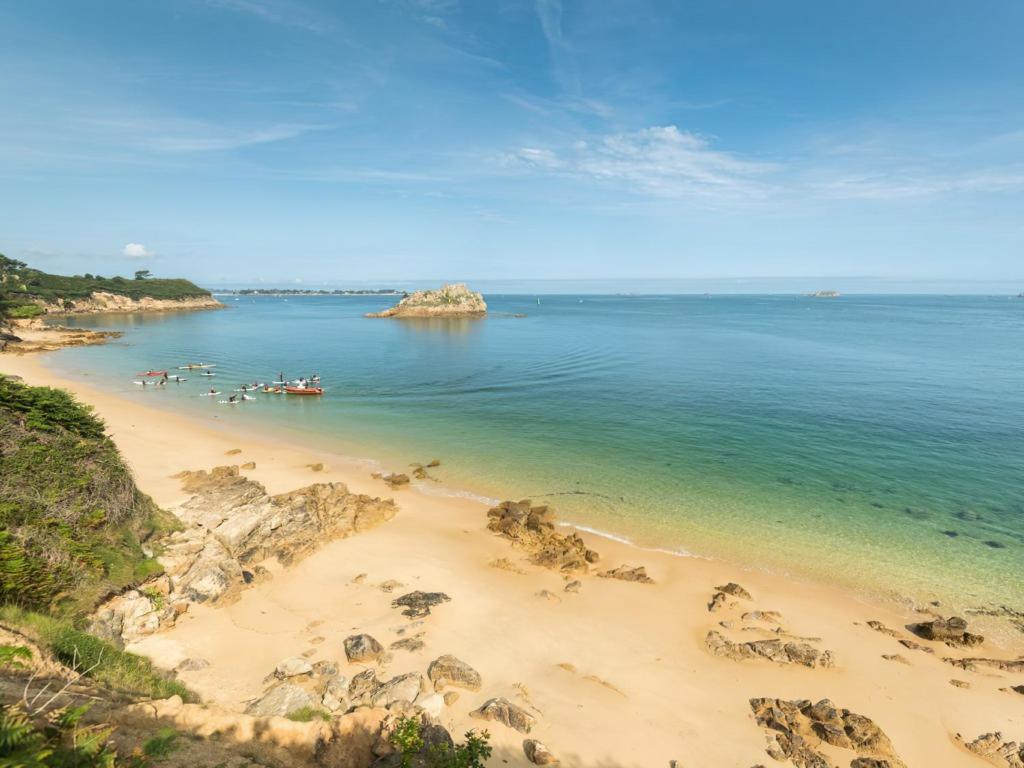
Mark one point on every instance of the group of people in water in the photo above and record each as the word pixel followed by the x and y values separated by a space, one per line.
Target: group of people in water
pixel 302 385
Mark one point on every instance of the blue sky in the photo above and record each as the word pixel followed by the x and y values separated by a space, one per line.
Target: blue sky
pixel 283 140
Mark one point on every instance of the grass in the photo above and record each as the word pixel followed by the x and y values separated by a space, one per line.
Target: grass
pixel 110 667
pixel 308 714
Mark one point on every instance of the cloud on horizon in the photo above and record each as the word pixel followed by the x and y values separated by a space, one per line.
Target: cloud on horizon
pixel 136 251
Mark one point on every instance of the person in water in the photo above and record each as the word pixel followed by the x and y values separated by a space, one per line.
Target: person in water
pixel 231 399
pixel 213 391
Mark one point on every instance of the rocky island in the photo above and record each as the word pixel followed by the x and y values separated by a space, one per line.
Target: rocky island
pixel 455 300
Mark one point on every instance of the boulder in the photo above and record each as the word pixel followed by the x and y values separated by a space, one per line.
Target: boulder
pixel 432 704
pixel 293 667
pixel 951 631
pixel 281 700
pixel 335 695
pixel 504 711
pixel 449 671
pixel 734 589
pixel 402 688
pixel 538 754
pixel 362 648
pixel 774 650
pixel 628 573
pixel 418 604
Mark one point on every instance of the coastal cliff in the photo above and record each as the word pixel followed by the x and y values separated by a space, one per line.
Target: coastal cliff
pixel 455 300
pixel 103 301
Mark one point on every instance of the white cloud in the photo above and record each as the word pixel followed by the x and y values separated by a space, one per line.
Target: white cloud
pixel 136 251
pixel 661 161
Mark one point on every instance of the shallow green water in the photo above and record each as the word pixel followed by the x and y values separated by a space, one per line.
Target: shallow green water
pixel 872 441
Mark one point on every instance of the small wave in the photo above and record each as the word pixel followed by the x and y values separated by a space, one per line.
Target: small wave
pixel 678 552
pixel 448 493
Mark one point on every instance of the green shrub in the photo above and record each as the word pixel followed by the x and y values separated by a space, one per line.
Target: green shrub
pixel 308 714
pixel 71 518
pixel 107 665
pixel 407 741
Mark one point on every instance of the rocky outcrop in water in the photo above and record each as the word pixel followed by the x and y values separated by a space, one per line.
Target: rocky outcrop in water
pixel 533 529
pixel 796 728
pixel 454 300
pixel 231 524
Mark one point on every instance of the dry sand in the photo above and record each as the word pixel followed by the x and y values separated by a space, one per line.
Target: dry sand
pixel 617 675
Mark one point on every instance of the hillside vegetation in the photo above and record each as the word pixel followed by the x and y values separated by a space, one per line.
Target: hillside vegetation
pixel 71 518
pixel 21 287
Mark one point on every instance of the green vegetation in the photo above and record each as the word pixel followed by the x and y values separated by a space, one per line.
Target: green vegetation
pixel 59 739
pixel 21 287
pixel 106 665
pixel 71 518
pixel 412 748
pixel 308 714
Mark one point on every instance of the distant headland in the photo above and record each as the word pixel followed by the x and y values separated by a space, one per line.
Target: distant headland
pixel 824 294
pixel 455 300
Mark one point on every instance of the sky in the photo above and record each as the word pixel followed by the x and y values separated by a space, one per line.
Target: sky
pixel 304 141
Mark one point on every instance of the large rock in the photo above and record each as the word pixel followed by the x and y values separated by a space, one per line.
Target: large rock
pixel 504 711
pixel 993 748
pixel 951 631
pixel 293 667
pixel 362 648
pixel 538 754
pixel 454 300
pixel 774 650
pixel 230 524
pixel 532 528
pixel 418 604
pixel 796 727
pixel 628 573
pixel 281 700
pixel 447 670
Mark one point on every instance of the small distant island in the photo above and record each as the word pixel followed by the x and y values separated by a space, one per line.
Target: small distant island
pixel 454 300
pixel 311 292
pixel 824 294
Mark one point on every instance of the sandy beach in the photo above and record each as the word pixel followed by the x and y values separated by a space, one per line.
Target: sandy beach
pixel 616 674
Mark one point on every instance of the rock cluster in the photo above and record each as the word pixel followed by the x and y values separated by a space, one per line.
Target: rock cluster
pixel 231 524
pixel 418 604
pixel 774 650
pixel 952 631
pixel 992 747
pixel 797 727
pixel 454 300
pixel 533 529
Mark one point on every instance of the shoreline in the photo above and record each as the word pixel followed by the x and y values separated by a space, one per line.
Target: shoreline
pixel 617 658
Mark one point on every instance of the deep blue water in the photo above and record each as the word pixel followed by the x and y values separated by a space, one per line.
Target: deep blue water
pixel 869 440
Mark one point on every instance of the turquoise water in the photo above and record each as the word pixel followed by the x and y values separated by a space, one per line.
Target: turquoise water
pixel 872 441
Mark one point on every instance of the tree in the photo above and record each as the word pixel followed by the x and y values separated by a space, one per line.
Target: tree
pixel 142 274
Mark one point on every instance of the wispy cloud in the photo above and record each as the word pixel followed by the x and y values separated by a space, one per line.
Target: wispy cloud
pixel 660 161
pixel 174 136
pixel 563 62
pixel 282 12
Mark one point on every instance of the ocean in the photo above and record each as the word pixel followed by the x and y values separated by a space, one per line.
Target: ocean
pixel 875 442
